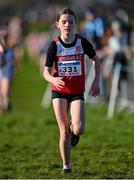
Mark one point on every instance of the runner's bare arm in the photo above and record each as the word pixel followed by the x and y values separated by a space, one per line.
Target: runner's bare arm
pixel 95 89
pixel 57 81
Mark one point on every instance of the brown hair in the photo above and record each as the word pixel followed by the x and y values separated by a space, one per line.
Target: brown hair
pixel 65 11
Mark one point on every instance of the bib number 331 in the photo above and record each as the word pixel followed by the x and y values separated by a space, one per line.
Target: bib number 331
pixel 69 68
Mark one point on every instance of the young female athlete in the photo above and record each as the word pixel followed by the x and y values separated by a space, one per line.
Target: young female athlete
pixel 66 53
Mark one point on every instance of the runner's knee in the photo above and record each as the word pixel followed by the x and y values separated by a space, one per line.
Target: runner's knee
pixel 64 132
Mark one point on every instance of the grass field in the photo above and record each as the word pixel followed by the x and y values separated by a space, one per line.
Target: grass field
pixel 29 138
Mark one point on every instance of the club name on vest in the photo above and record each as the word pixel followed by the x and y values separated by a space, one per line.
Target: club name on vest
pixel 71 57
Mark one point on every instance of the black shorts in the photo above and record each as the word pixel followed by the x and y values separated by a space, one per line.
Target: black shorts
pixel 68 97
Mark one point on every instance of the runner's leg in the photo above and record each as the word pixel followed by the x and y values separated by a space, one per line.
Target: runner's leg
pixel 61 112
pixel 77 110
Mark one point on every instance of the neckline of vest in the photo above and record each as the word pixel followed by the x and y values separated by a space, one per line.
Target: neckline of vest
pixel 68 45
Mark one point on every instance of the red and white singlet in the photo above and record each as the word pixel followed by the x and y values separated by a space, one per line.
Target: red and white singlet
pixel 69 64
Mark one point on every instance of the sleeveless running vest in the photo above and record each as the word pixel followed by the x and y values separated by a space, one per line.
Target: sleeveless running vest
pixel 69 64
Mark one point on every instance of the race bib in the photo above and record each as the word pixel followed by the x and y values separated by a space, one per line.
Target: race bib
pixel 69 68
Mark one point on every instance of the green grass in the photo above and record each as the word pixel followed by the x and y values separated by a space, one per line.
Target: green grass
pixel 29 138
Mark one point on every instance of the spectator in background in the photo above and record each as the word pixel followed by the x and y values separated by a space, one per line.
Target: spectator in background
pixel 6 73
pixel 132 64
pixel 15 40
pixel 37 44
pixel 118 42
pixel 114 52
pixel 93 27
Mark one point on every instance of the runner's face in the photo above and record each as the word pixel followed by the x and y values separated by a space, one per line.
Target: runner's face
pixel 66 24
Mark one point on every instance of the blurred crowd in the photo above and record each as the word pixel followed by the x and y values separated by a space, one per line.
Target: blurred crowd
pixel 10 59
pixel 111 35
